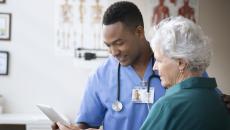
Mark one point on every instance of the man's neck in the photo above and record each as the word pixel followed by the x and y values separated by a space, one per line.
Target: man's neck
pixel 142 62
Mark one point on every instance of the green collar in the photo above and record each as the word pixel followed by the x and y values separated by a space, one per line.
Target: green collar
pixel 193 82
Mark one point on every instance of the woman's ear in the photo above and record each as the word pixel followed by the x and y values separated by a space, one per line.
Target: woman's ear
pixel 182 64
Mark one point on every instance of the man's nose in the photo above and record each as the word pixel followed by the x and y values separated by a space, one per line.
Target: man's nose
pixel 114 51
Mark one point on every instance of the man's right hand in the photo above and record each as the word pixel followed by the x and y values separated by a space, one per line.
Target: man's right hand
pixel 226 99
pixel 59 126
pixel 54 126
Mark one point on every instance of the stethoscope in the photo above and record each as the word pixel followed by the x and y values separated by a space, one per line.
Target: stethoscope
pixel 117 105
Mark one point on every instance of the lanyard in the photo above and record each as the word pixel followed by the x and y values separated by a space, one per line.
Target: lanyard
pixel 117 105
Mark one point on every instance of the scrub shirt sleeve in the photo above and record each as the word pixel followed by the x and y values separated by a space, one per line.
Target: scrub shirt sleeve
pixel 205 74
pixel 91 111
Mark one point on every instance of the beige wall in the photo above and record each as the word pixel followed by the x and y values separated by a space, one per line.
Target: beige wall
pixel 214 18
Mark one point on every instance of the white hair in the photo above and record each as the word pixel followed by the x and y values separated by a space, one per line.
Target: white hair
pixel 180 38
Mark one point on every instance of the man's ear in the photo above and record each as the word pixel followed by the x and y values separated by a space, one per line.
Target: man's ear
pixel 140 31
pixel 182 64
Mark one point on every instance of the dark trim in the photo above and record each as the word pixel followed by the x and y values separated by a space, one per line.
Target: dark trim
pixel 10 22
pixel 7 62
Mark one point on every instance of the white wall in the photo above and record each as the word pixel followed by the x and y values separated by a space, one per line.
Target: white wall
pixel 38 75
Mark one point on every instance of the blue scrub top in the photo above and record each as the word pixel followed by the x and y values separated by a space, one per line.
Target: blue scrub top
pixel 101 92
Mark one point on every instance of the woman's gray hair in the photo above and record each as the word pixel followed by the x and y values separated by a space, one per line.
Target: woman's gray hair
pixel 180 38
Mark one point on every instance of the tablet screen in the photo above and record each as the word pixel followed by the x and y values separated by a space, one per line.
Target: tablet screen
pixel 53 115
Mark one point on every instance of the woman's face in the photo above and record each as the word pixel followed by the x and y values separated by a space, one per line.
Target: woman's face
pixel 167 68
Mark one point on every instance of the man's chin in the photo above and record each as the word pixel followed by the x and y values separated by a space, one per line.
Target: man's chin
pixel 123 63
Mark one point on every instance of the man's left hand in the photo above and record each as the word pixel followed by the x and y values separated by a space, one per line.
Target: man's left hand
pixel 226 99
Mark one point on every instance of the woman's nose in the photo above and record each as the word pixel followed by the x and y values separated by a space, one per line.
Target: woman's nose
pixel 155 66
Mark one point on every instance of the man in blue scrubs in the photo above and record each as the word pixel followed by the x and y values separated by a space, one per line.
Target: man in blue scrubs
pixel 123 33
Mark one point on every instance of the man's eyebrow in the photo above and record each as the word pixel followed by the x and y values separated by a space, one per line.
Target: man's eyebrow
pixel 113 42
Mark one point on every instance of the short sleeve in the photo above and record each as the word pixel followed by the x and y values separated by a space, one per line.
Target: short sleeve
pixel 205 74
pixel 91 110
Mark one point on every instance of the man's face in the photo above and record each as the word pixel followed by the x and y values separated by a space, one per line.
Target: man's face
pixel 122 43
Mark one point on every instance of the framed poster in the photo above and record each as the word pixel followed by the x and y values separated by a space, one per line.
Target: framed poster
pixel 5 26
pixel 78 27
pixel 165 8
pixel 4 62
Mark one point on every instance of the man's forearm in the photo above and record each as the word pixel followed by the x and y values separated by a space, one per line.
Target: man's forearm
pixel 83 125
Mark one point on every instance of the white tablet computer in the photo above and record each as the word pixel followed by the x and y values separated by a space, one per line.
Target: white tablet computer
pixel 53 115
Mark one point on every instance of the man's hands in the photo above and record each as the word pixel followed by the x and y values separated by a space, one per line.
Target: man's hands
pixel 59 126
pixel 226 99
pixel 56 126
pixel 70 127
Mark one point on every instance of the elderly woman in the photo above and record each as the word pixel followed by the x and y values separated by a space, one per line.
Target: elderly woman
pixel 182 54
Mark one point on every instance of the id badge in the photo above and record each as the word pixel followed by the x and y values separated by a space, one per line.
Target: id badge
pixel 140 95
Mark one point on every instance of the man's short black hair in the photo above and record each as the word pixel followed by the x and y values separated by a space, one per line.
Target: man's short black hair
pixel 125 12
